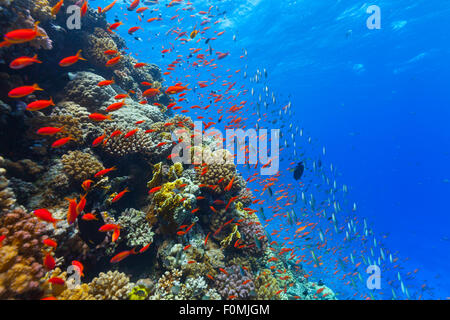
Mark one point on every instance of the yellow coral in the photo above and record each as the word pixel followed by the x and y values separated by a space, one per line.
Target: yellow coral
pixel 235 232
pixel 157 176
pixel 175 171
pixel 41 10
pixel 266 285
pixel 166 199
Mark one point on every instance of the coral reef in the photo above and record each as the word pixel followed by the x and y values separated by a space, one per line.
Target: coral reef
pixel 179 230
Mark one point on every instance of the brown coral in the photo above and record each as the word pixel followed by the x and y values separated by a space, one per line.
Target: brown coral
pixel 112 285
pixel 95 44
pixel 80 166
pixel 7 197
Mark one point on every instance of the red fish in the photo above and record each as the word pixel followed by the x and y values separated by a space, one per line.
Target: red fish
pixel 89 217
pixel 122 255
pixel 23 35
pixel 49 262
pixel 48 131
pixel 39 105
pixel 50 243
pixel 72 212
pixel 57 281
pixel 66 62
pixel 21 92
pixel 86 185
pixel 23 62
pixel 45 215
pixel 120 195
pixel 60 142
pixel 99 117
pixel 133 5
pixel 104 171
pixel 133 30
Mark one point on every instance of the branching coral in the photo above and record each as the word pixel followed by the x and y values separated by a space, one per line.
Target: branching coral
pixel 80 166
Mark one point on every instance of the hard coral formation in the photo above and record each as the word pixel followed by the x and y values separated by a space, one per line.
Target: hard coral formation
pixel 112 285
pixel 80 166
pixel 138 230
pixel 21 251
pixel 232 284
pixel 7 197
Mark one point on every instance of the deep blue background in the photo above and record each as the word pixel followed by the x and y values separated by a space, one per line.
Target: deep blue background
pixel 377 99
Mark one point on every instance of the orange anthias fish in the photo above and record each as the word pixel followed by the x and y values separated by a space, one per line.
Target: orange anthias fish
pixel 84 8
pixel 45 215
pixel 120 195
pixel 23 91
pixel 99 117
pixel 133 5
pixel 23 35
pixel 108 7
pixel 72 212
pixel 104 171
pixel 60 142
pixel 133 30
pixel 89 217
pixel 122 255
pixel 49 262
pixel 115 106
pixel 39 105
pixel 66 62
pixel 56 7
pixel 23 62
pixel 48 131
pixel 79 266
pixel 86 185
pixel 150 92
pixel 105 83
pixel 50 243
pixel 113 61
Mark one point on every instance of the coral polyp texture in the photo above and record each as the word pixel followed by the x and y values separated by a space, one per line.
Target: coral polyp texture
pixel 94 202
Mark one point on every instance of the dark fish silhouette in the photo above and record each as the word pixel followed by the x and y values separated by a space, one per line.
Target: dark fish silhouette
pixel 298 171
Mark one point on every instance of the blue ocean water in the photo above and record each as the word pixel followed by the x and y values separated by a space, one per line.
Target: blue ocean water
pixel 376 99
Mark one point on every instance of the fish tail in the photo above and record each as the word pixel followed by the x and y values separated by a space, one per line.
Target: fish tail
pixel 108 117
pixel 39 33
pixel 35 58
pixel 79 55
pixel 52 103
pixel 36 87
